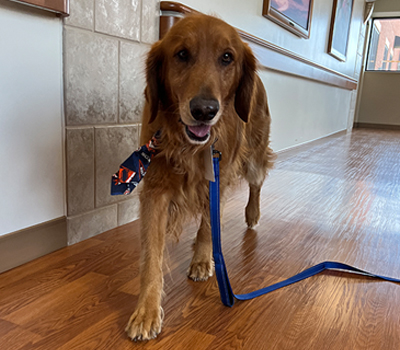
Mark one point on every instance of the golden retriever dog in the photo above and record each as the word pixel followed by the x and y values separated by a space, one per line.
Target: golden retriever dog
pixel 202 89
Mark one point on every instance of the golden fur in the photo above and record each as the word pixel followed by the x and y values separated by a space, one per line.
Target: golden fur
pixel 200 56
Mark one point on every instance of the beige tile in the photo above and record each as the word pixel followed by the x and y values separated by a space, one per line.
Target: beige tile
pixel 132 82
pixel 118 18
pixel 128 210
pixel 150 21
pixel 80 170
pixel 91 78
pixel 113 146
pixel 90 224
pixel 81 14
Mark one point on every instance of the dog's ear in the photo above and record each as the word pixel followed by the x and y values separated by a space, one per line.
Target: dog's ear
pixel 246 84
pixel 154 89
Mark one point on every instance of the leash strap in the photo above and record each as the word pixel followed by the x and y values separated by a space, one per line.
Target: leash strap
pixel 226 292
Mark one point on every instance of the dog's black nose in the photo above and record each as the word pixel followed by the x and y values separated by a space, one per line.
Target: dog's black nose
pixel 204 109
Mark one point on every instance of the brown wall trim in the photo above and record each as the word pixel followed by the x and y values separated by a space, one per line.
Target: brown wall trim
pixel 22 246
pixel 376 126
pixel 269 55
pixel 61 7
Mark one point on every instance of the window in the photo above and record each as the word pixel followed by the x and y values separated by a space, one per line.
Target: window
pixel 373 48
pixel 384 46
pixel 391 61
pixel 385 60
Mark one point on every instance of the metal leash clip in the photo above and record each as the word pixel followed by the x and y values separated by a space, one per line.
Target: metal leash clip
pixel 217 153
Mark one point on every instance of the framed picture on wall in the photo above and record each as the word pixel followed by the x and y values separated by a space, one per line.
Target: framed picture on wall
pixel 294 15
pixel 340 28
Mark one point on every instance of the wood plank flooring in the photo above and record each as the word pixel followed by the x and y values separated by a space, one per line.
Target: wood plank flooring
pixel 338 200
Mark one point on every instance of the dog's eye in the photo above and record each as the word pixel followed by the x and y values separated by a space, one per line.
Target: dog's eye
pixel 226 58
pixel 183 55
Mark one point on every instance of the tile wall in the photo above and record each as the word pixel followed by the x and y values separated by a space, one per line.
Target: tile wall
pixel 105 44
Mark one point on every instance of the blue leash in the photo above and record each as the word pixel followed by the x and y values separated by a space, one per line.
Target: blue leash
pixel 227 295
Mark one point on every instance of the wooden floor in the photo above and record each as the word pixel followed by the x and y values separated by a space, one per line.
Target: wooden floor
pixel 338 200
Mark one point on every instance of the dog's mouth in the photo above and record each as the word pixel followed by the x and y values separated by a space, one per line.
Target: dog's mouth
pixel 198 133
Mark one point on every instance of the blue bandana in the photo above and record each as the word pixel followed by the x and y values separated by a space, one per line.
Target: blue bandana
pixel 134 168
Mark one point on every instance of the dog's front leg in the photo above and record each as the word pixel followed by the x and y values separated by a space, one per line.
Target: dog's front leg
pixel 145 322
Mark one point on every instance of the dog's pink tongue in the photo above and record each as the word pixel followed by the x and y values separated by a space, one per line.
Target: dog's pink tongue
pixel 200 130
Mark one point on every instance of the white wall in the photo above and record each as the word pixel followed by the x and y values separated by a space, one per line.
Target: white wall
pixel 387 6
pixel 380 102
pixel 247 15
pixel 302 110
pixel 31 142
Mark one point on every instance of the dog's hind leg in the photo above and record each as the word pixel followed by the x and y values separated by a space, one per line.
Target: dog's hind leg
pixel 201 267
pixel 255 170
pixel 253 205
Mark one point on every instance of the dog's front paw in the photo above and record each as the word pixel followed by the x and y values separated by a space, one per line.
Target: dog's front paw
pixel 144 324
pixel 200 271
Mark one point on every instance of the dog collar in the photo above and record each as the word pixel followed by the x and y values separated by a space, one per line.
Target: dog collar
pixel 134 168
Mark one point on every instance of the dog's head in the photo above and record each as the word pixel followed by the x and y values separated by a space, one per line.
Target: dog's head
pixel 196 71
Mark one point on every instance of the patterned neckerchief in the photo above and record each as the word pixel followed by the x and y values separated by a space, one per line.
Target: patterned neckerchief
pixel 133 169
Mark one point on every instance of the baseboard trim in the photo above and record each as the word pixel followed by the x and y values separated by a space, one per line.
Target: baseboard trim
pixel 376 126
pixel 292 151
pixel 22 246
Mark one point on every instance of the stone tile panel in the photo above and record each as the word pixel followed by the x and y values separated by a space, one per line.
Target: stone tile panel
pixel 118 18
pixel 113 146
pixel 150 21
pixel 128 210
pixel 132 81
pixel 91 78
pixel 90 224
pixel 80 170
pixel 81 14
